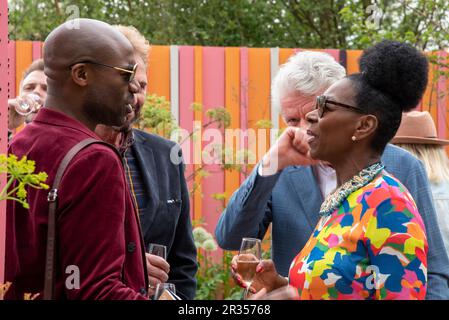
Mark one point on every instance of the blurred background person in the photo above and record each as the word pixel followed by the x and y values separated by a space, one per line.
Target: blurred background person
pixel 32 94
pixel 158 187
pixel 418 135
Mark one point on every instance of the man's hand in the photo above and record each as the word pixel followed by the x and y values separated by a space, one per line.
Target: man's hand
pixel 16 119
pixel 290 149
pixel 266 276
pixel 158 270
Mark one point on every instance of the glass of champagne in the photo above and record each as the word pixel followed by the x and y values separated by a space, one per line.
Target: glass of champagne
pixel 164 291
pixel 247 261
pixel 158 250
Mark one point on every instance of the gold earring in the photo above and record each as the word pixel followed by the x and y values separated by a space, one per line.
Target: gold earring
pixel 354 138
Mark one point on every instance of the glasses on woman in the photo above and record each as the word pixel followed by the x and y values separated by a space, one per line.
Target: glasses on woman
pixel 128 74
pixel 322 101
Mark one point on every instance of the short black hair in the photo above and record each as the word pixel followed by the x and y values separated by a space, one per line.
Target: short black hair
pixel 393 77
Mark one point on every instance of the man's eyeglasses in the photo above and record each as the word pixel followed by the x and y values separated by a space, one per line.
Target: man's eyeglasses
pixel 322 101
pixel 130 74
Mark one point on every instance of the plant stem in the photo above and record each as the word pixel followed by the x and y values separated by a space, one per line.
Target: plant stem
pixel 4 193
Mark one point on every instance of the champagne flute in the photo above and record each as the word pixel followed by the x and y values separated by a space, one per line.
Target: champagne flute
pixel 247 261
pixel 164 291
pixel 158 250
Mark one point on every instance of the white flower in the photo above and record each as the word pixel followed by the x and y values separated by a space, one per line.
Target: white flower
pixel 210 245
pixel 200 234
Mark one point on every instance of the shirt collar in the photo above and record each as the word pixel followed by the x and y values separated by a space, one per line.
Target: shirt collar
pixel 57 118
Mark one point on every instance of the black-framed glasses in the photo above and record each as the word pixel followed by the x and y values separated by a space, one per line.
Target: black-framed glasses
pixel 322 101
pixel 130 73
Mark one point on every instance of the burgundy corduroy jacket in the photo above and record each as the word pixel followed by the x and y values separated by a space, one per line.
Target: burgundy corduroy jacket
pixel 98 232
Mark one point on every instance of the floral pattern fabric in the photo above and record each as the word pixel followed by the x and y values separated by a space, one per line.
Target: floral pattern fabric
pixel 373 246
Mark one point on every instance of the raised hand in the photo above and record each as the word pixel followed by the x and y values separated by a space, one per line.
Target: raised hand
pixel 20 107
pixel 290 149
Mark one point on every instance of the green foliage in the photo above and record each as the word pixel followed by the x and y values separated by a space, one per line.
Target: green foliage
pixel 264 124
pixel 342 24
pixel 156 116
pixel 22 172
pixel 214 280
pixel 220 116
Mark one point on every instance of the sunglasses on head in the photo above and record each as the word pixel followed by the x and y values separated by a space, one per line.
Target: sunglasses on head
pixel 322 101
pixel 130 74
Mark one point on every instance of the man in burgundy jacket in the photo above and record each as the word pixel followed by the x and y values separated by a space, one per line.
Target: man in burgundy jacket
pixel 90 80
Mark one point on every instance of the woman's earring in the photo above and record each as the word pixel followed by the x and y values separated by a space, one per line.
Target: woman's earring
pixel 354 138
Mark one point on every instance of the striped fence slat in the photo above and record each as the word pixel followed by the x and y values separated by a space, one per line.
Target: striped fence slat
pixel 186 98
pixel 232 102
pixel 198 116
pixel 244 83
pixel 159 71
pixel 352 61
pixel 174 82
pixel 442 101
pixel 429 101
pixel 258 98
pixel 24 57
pixel 213 96
pixel 36 50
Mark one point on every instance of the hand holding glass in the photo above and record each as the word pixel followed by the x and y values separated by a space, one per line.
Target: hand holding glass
pixel 28 104
pixel 158 250
pixel 247 260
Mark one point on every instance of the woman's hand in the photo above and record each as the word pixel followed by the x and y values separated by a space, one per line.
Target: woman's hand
pixel 266 276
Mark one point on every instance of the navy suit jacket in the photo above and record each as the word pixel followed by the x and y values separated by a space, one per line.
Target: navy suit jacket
pixel 291 200
pixel 166 220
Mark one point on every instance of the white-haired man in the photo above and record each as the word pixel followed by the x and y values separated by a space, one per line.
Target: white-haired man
pixel 286 188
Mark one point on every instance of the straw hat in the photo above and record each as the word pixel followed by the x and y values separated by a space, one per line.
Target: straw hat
pixel 418 128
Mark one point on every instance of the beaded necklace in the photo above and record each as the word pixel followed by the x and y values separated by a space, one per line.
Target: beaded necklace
pixel 361 179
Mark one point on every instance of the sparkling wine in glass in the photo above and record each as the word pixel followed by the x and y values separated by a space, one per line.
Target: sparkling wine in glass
pixel 165 291
pixel 158 250
pixel 247 261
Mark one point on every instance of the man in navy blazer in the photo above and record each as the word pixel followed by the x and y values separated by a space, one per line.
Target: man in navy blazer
pixel 166 218
pixel 288 195
pixel 158 187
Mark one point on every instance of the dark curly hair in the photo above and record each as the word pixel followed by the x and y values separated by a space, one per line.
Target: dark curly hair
pixel 392 79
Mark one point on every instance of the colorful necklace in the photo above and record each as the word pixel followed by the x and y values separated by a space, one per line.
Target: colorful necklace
pixel 336 198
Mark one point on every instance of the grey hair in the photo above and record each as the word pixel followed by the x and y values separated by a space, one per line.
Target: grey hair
pixel 308 73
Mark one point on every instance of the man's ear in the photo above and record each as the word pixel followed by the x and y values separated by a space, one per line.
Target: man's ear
pixel 79 74
pixel 366 125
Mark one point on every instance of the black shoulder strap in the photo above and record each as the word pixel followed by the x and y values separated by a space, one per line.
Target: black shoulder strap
pixel 53 203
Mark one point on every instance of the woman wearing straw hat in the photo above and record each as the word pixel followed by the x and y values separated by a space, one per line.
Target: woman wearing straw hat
pixel 418 135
